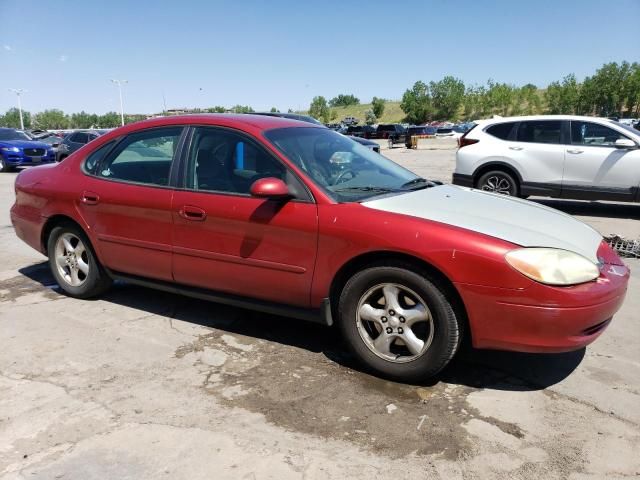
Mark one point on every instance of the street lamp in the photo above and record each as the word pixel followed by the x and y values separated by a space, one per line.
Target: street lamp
pixel 120 83
pixel 18 92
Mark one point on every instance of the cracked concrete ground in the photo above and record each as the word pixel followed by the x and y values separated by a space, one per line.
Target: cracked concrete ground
pixel 142 384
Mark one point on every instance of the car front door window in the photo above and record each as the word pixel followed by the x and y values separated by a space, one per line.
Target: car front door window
pixel 594 135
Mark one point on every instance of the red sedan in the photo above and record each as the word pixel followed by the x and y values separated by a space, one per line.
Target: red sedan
pixel 291 218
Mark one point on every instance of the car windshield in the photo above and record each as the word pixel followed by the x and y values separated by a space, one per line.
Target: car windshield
pixel 13 135
pixel 626 127
pixel 344 169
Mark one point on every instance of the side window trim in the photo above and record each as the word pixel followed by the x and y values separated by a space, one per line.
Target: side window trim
pixel 182 181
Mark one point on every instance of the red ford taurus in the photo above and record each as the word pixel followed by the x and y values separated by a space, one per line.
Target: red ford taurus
pixel 292 218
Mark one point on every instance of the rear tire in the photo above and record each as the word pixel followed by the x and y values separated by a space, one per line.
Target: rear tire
pixel 398 323
pixel 499 181
pixel 74 263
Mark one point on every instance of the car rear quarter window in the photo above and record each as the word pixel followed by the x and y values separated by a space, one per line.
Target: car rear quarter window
pixel 540 131
pixel 94 159
pixel 594 134
pixel 501 130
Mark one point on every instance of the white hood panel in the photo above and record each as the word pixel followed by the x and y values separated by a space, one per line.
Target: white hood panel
pixel 517 221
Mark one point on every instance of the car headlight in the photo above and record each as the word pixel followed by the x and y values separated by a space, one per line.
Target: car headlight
pixel 10 149
pixel 552 266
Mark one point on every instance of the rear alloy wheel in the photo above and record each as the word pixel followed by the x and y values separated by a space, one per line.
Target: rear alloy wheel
pixel 73 263
pixel 398 323
pixel 500 182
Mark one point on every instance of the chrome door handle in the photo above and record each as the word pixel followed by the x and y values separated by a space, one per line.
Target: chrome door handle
pixel 515 148
pixel 575 150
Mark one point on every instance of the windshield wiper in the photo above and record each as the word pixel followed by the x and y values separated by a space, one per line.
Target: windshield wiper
pixel 366 189
pixel 418 183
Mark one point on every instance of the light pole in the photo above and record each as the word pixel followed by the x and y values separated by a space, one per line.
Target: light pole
pixel 18 92
pixel 120 83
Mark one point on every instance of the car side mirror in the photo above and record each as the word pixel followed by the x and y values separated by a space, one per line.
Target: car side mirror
pixel 625 143
pixel 271 188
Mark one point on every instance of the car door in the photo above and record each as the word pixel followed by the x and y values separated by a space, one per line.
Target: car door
pixel 127 202
pixel 537 150
pixel 595 168
pixel 228 241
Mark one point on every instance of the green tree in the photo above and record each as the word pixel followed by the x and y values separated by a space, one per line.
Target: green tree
pixel 333 115
pixel 501 97
pixel 563 97
pixel 319 109
pixel 11 118
pixel 242 109
pixel 475 103
pixel 370 117
pixel 109 120
pixel 529 100
pixel 344 101
pixel 447 97
pixel 416 103
pixel 216 109
pixel 274 110
pixel 83 120
pixel 632 90
pixel 378 104
pixel 51 119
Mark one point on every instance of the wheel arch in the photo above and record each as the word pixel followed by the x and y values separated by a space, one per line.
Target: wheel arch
pixel 53 222
pixel 398 259
pixel 496 165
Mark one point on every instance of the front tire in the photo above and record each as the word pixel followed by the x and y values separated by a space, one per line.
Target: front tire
pixel 74 264
pixel 398 323
pixel 4 168
pixel 498 181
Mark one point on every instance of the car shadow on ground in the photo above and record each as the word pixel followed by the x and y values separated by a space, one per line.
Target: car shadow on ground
pixel 593 209
pixel 471 367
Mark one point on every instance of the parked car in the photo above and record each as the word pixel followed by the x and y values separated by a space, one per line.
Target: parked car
pixel 75 140
pixel 51 139
pixel 306 118
pixel 18 150
pixel 420 131
pixel 551 156
pixel 350 121
pixel 291 218
pixel 445 132
pixel 391 130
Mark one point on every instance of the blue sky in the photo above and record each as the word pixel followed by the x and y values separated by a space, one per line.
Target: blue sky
pixel 282 53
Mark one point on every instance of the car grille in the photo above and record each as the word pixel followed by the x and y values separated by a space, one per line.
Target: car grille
pixel 34 152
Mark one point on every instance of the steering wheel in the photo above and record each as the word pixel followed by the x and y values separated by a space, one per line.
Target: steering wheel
pixel 341 178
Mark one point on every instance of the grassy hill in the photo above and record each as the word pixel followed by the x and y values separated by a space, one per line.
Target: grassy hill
pixel 392 112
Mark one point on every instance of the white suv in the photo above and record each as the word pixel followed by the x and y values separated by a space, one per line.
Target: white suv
pixel 552 156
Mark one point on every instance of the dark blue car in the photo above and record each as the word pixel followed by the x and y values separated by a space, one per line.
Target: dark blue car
pixel 18 150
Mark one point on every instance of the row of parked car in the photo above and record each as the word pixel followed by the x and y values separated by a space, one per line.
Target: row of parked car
pixel 19 148
pixel 396 133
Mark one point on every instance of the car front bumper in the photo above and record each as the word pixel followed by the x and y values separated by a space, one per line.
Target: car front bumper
pixel 542 318
pixel 19 159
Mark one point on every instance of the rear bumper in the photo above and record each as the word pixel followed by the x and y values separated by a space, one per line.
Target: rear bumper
pixel 542 319
pixel 28 227
pixel 462 180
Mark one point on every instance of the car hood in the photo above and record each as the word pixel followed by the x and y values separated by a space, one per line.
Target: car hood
pixel 23 144
pixel 517 221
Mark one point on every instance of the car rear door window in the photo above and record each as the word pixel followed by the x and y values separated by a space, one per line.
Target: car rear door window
pixel 224 161
pixel 143 157
pixel 93 160
pixel 594 134
pixel 79 137
pixel 540 131
pixel 501 130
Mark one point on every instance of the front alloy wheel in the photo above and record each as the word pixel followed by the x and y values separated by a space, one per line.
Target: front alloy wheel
pixel 394 322
pixel 398 322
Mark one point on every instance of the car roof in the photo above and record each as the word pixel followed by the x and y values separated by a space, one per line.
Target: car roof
pixel 263 122
pixel 522 118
